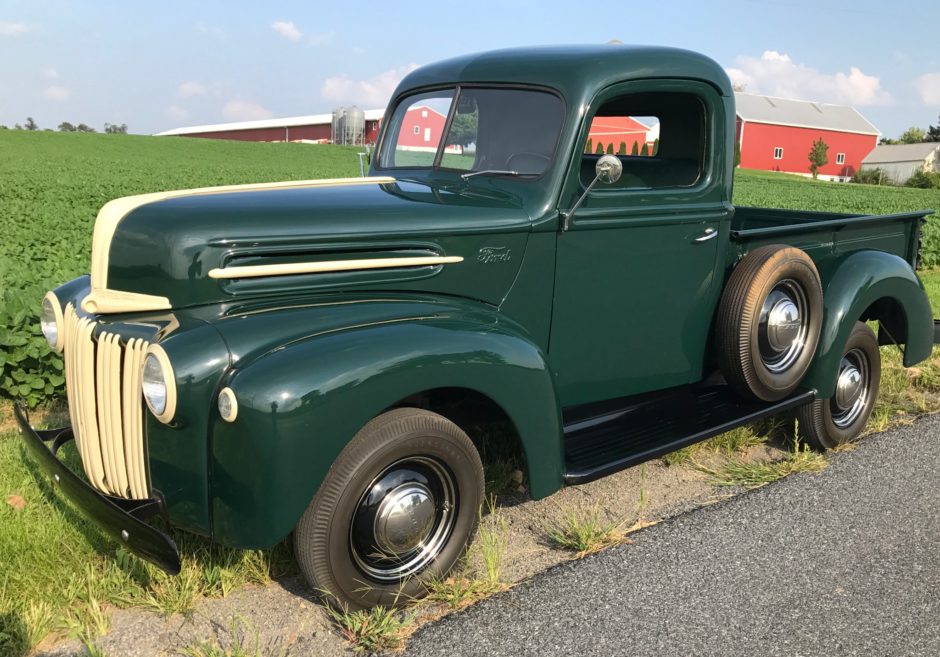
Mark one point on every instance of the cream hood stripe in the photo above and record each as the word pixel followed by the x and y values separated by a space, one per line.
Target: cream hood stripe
pixel 326 266
pixel 113 212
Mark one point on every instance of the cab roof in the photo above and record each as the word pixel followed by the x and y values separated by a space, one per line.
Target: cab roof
pixel 577 71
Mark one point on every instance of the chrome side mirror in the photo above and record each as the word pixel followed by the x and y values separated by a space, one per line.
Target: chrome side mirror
pixel 608 169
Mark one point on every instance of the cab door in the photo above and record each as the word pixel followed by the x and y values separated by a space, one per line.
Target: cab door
pixel 638 271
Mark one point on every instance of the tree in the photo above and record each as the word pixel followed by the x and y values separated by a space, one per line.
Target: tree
pixel 600 149
pixel 656 146
pixel 623 148
pixel 739 86
pixel 913 135
pixel 933 132
pixel 81 127
pixel 610 148
pixel 635 150
pixel 3 127
pixel 65 126
pixel 645 151
pixel 590 146
pixel 17 126
pixel 737 154
pixel 463 130
pixel 818 156
pixel 30 124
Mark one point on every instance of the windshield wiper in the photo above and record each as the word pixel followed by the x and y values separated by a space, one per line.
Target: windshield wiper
pixel 500 172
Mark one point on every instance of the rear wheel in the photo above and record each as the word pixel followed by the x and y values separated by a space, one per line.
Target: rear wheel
pixel 828 423
pixel 398 507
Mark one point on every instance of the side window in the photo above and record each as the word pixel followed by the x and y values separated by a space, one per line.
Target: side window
pixel 421 130
pixel 659 138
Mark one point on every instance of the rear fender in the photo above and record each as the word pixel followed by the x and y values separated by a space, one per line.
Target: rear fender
pixel 857 282
pixel 299 406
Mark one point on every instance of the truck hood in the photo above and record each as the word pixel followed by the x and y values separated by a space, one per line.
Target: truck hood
pixel 194 247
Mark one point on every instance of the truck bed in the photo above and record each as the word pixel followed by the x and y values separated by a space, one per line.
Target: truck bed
pixel 820 233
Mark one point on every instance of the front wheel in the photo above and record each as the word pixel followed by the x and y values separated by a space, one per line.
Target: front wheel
pixel 828 423
pixel 398 507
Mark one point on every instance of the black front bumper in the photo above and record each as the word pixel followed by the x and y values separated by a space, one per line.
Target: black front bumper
pixel 121 519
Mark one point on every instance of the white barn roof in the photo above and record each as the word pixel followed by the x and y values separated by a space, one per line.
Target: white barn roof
pixel 287 122
pixel 890 153
pixel 802 114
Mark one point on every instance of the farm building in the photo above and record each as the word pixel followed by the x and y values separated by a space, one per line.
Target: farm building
pixel 776 134
pixel 901 161
pixel 311 128
pixel 625 133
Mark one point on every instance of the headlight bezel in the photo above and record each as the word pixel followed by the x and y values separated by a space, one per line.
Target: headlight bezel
pixel 57 319
pixel 157 352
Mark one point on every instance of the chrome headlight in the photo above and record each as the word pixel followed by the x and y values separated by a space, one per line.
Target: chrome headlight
pixel 158 385
pixel 50 320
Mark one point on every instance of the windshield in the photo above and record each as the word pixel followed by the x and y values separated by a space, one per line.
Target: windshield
pixel 509 131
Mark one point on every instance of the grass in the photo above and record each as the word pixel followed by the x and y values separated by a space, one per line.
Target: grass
pixel 585 532
pixel 738 472
pixel 379 629
pixel 732 442
pixel 243 641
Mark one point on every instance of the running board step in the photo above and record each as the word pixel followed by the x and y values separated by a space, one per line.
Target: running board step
pixel 602 441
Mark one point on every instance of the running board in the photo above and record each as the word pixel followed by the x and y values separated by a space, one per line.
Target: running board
pixel 605 440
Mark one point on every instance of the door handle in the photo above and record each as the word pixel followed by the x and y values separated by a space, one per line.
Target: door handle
pixel 709 234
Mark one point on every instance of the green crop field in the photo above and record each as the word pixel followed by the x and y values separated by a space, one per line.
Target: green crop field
pixel 56 572
pixel 52 185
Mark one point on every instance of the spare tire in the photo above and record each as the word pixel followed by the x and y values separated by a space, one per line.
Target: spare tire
pixel 769 321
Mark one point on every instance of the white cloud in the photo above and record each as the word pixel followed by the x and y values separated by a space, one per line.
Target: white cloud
pixel 56 92
pixel 928 86
pixel 13 29
pixel 373 92
pixel 50 73
pixel 288 30
pixel 190 89
pixel 177 113
pixel 245 110
pixel 322 39
pixel 775 74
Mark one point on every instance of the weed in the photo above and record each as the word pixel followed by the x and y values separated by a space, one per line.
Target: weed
pixel 491 541
pixel 459 591
pixel 238 643
pixel 731 442
pixel 585 532
pixel 736 472
pixel 377 629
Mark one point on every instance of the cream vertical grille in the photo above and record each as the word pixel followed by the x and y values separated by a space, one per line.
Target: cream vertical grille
pixel 102 379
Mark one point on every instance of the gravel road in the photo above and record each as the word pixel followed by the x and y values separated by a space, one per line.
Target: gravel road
pixel 844 562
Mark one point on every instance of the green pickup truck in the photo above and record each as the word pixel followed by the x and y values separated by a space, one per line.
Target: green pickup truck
pixel 316 358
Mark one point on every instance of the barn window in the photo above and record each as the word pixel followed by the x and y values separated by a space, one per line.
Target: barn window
pixel 660 138
pixel 778 153
pixel 417 130
pixel 840 158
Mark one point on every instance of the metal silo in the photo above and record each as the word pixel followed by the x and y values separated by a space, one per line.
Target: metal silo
pixel 354 126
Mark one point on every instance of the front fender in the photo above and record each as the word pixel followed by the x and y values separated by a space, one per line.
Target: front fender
pixel 299 406
pixel 854 284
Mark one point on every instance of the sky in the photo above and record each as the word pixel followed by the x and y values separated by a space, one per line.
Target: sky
pixel 161 65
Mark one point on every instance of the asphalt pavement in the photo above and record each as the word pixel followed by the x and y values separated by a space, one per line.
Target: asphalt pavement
pixel 843 562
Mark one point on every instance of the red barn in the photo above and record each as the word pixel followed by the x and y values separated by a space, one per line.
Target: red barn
pixel 776 134
pixel 311 128
pixel 421 129
pixel 616 130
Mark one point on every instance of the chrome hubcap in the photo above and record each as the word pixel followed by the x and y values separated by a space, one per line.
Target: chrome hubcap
pixel 403 519
pixel 782 326
pixel 851 398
